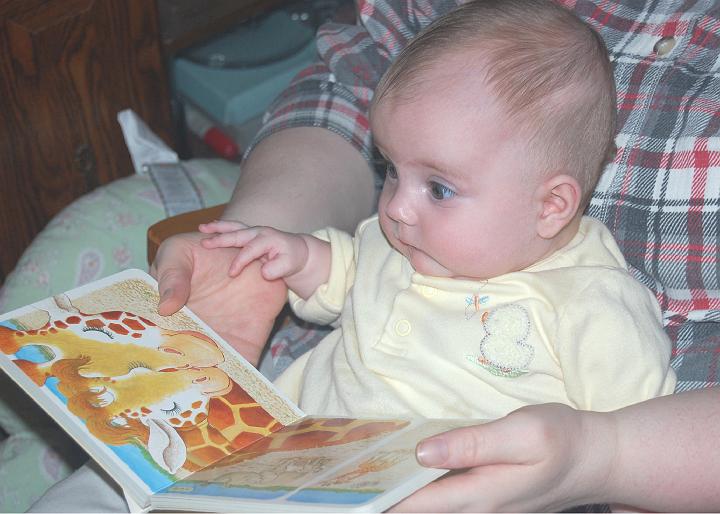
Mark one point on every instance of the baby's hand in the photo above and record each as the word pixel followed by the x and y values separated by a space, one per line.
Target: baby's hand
pixel 283 254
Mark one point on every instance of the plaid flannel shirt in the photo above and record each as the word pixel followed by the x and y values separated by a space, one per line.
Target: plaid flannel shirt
pixel 660 196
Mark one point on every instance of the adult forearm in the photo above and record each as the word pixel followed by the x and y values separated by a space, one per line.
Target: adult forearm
pixel 666 453
pixel 301 179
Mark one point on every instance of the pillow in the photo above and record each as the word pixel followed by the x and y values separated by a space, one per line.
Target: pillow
pixel 104 232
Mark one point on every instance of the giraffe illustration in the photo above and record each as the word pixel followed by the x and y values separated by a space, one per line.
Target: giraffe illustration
pixel 127 378
pixel 108 339
pixel 144 405
pixel 306 434
pixel 134 382
pixel 374 464
pixel 282 471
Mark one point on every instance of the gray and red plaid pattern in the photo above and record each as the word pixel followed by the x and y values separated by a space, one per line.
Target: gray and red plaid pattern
pixel 661 195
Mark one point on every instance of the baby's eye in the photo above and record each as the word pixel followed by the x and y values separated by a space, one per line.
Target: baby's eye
pixel 440 191
pixel 390 170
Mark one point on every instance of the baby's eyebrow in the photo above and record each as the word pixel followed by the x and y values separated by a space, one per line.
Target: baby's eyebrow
pixel 446 170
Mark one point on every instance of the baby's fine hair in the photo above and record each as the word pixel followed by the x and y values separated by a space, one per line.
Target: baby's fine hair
pixel 550 70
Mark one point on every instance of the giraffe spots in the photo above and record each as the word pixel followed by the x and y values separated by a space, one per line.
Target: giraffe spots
pixel 136 335
pixel 52 330
pixel 133 324
pixel 244 439
pixel 145 410
pixel 113 315
pixel 237 408
pixel 308 439
pixel 118 329
pixel 205 447
pixel 147 322
pixel 195 437
pixel 369 429
pixel 72 320
pixel 221 414
pixel 196 405
pixel 253 415
pixel 186 414
pixel 201 416
pixel 337 422
pixel 95 323
pixel 60 324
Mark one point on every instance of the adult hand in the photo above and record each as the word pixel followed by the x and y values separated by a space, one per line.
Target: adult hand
pixel 241 309
pixel 537 459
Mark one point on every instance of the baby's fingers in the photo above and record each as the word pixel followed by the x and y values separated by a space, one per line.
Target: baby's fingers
pixel 280 266
pixel 234 239
pixel 221 226
pixel 246 255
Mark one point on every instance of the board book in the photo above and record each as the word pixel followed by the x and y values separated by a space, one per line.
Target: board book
pixel 183 422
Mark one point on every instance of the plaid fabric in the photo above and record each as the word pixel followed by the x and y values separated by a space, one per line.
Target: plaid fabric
pixel 291 338
pixel 659 197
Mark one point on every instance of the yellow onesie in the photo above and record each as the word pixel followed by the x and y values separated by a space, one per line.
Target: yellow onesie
pixel 574 328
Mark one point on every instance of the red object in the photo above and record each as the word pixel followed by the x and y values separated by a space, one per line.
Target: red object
pixel 213 136
pixel 221 143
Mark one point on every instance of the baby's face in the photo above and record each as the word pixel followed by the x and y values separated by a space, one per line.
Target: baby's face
pixel 458 199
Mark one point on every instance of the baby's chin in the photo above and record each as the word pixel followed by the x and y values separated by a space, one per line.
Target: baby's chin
pixel 426 265
pixel 429 267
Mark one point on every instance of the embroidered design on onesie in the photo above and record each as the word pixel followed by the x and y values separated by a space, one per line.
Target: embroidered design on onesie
pixel 474 302
pixel 504 350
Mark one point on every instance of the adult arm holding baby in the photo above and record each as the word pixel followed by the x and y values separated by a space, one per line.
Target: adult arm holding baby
pixel 283 165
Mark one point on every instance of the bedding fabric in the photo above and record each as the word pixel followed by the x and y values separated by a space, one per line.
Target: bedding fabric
pixel 99 234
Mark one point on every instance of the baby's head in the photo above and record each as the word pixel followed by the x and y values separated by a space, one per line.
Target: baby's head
pixel 496 122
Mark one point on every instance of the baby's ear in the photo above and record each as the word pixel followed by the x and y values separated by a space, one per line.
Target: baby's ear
pixel 559 197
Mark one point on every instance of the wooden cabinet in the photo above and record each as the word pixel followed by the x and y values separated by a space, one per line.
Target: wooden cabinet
pixel 67 67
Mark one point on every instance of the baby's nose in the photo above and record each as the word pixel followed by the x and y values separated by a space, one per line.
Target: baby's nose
pixel 400 209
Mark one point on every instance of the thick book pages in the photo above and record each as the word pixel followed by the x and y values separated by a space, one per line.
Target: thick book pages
pixel 314 465
pixel 183 422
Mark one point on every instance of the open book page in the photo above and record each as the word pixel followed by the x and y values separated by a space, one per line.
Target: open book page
pixel 317 464
pixel 151 398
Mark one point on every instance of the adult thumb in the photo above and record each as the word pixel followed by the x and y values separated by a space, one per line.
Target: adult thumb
pixel 454 449
pixel 477 445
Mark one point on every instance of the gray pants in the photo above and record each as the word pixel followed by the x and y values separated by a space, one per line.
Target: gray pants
pixel 89 489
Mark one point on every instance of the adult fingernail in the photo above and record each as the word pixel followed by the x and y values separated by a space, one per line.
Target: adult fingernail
pixel 166 293
pixel 432 452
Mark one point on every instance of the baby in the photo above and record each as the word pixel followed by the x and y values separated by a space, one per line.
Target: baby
pixel 478 287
